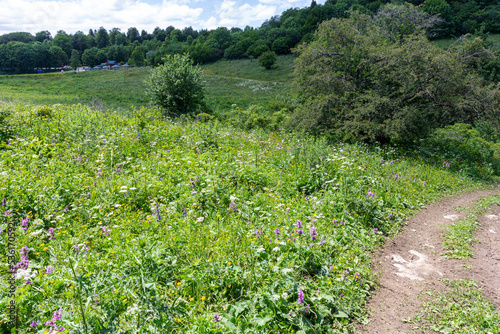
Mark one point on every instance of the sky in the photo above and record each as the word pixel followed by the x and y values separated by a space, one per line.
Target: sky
pixel 81 15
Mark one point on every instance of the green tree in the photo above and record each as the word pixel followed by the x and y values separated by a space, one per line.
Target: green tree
pixel 75 59
pixel 176 85
pixel 358 83
pixel 137 57
pixel 102 38
pixel 89 57
pixel 58 56
pixel 63 41
pixel 267 59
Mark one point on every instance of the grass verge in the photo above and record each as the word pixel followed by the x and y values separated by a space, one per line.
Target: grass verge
pixel 460 309
pixel 459 238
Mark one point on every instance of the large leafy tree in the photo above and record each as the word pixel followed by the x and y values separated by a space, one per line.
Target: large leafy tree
pixel 358 82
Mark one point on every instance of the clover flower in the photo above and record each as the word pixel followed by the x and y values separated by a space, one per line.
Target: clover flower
pixel 277 232
pixel 25 224
pixel 216 317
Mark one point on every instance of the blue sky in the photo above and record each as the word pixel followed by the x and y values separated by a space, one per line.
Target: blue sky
pixel 73 15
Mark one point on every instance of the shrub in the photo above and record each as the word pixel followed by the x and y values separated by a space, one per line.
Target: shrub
pixel 460 147
pixel 176 85
pixel 267 59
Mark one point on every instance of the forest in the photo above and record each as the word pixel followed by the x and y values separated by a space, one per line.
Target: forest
pixel 23 52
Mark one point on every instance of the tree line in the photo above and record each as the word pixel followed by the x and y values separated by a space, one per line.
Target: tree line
pixel 22 52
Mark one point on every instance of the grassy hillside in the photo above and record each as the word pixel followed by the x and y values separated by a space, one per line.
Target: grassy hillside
pixel 446 42
pixel 241 82
pixel 141 224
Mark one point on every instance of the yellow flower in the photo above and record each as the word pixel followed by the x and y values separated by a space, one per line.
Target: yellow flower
pixel 42 245
pixel 191 299
pixel 203 298
pixel 71 287
pixel 125 300
pixel 229 262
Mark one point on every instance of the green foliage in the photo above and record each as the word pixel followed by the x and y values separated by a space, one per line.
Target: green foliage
pixel 75 59
pixel 176 85
pixel 356 83
pixel 137 57
pixel 460 147
pixel 159 225
pixel 6 131
pixel 267 59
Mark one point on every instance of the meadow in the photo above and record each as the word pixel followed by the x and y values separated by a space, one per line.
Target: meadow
pixel 127 221
pixel 141 224
pixel 239 82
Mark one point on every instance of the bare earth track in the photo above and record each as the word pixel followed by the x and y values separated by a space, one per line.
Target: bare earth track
pixel 412 261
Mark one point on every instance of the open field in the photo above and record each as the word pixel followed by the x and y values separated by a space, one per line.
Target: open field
pixel 143 224
pixel 240 82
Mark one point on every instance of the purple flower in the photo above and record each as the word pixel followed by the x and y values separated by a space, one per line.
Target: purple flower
pixel 25 250
pixel 185 212
pixel 49 269
pixel 25 224
pixel 158 216
pixel 313 233
pixel 51 233
pixel 35 323
pixel 301 297
pixel 105 230
pixel 290 313
pixel 299 224
pixel 7 213
pixel 277 232
pixel 257 233
pixel 370 194
pixel 390 216
pixel 345 274
pixel 375 230
pixel 216 317
pixel 4 202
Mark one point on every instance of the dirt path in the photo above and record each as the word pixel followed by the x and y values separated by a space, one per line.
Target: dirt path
pixel 412 261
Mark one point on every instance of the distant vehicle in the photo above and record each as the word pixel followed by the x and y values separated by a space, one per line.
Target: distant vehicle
pixel 66 67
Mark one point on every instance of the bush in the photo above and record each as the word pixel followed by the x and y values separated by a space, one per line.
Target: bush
pixel 460 147
pixel 176 85
pixel 267 59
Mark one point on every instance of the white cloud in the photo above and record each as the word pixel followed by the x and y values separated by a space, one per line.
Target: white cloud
pixel 73 15
pixel 232 14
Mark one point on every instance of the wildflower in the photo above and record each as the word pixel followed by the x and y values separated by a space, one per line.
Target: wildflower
pixel 313 233
pixel 257 233
pixel 301 297
pixel 7 213
pixel 276 249
pixel 105 230
pixel 25 224
pixel 200 219
pixel 375 230
pixel 345 274
pixel 4 202
pixel 277 232
pixel 25 250
pixel 299 224
pixel 158 212
pixel 216 317
pixel 51 233
pixel 370 194
pixel 390 216
pixel 49 269
pixel 35 323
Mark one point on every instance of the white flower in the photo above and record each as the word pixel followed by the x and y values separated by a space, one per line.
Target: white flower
pixel 276 297
pixel 25 274
pixel 261 249
pixel 276 268
pixel 284 295
pixel 200 219
pixel 276 249
pixel 286 270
